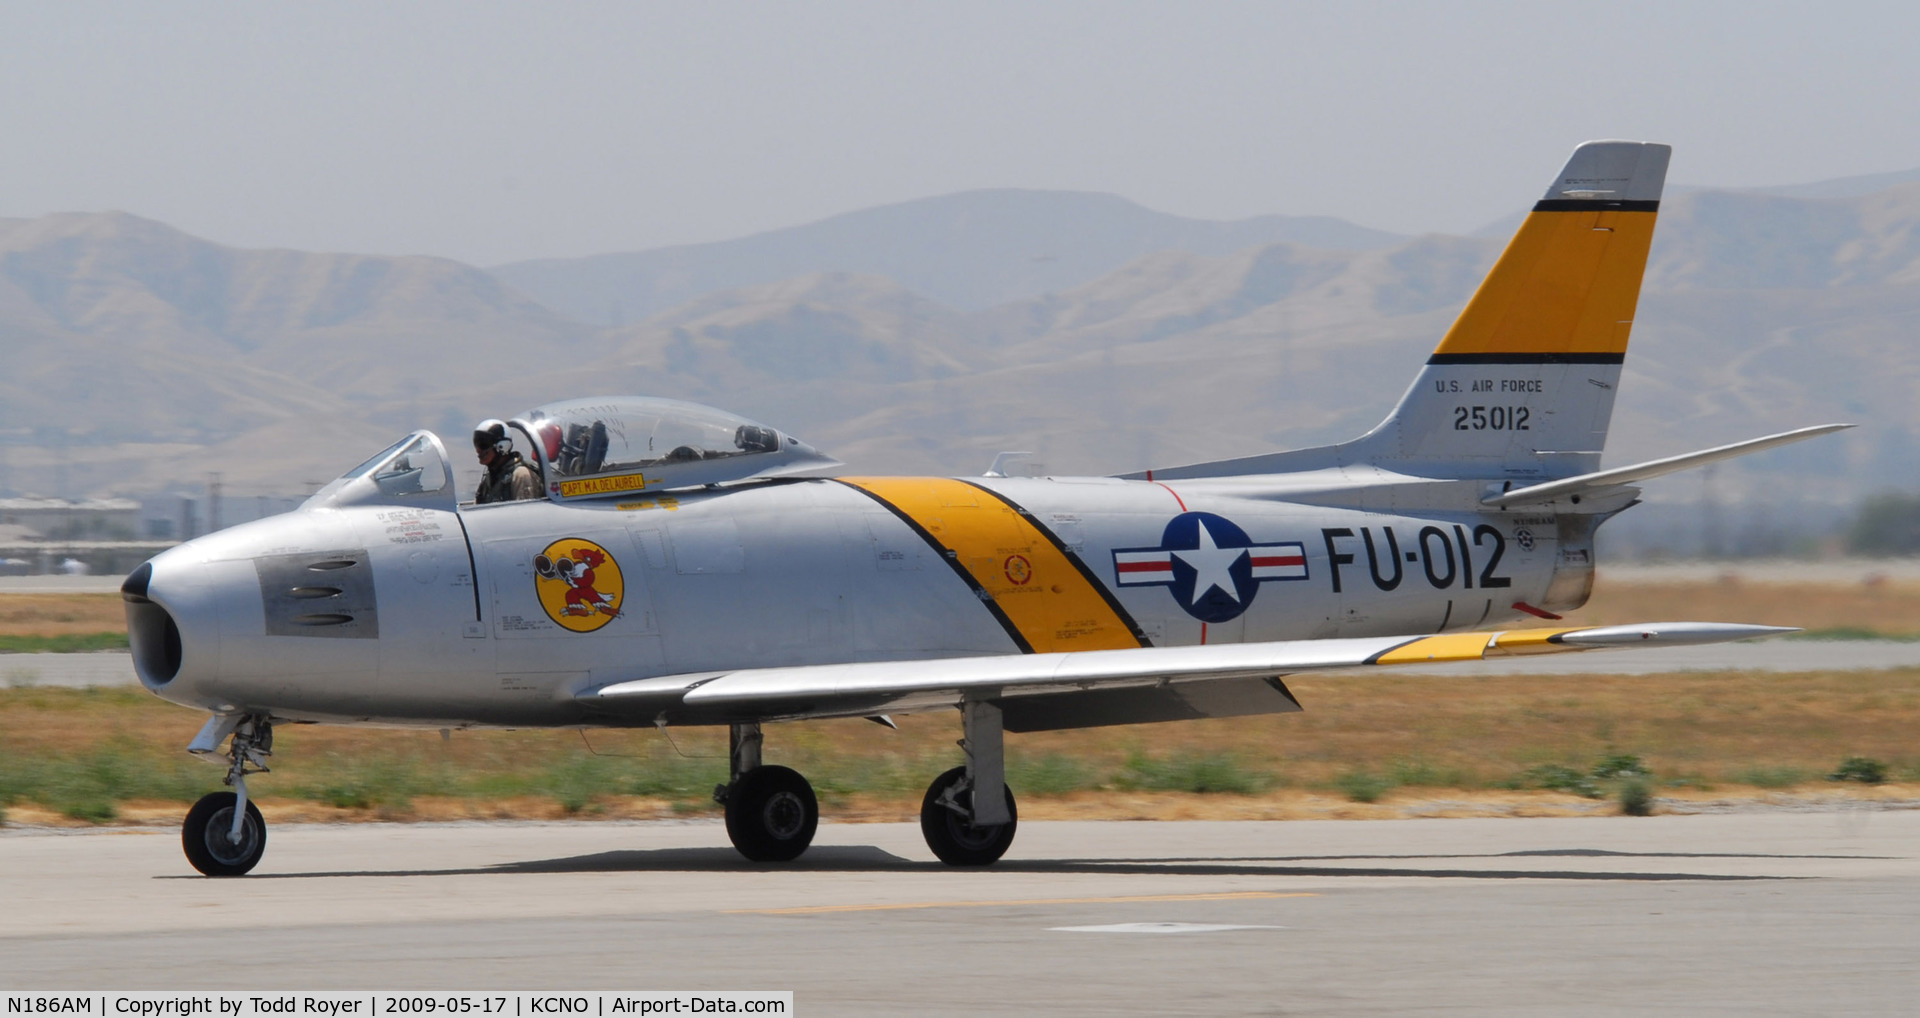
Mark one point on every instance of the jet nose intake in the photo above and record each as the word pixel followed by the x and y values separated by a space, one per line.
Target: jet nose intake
pixel 150 630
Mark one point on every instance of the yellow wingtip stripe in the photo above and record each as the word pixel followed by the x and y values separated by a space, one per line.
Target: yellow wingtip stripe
pixel 1532 641
pixel 1448 647
pixel 1480 645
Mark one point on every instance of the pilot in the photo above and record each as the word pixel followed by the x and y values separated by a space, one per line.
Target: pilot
pixel 509 478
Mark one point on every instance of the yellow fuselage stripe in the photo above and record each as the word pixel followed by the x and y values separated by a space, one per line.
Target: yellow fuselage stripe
pixel 1568 283
pixel 1038 591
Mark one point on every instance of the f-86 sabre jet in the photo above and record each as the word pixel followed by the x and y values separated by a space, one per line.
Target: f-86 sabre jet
pixel 690 567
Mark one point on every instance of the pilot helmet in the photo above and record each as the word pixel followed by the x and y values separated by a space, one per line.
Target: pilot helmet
pixel 492 434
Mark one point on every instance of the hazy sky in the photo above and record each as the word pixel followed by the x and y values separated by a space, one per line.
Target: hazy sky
pixel 493 132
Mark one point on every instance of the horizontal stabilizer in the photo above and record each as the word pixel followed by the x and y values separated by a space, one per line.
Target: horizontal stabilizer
pixel 1607 481
pixel 857 690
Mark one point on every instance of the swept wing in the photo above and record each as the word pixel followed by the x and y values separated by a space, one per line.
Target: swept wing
pixel 1150 684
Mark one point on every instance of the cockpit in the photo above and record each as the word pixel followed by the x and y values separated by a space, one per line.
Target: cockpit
pixel 592 448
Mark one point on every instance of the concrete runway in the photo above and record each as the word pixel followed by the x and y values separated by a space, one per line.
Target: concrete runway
pixel 1746 914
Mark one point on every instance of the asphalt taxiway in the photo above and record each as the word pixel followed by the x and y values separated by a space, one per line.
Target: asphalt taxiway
pixel 1768 913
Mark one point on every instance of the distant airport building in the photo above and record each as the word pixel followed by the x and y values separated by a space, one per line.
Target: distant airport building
pixel 105 536
pixel 57 519
pixel 174 516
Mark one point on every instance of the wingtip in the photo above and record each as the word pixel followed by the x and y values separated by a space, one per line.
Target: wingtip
pixel 1670 634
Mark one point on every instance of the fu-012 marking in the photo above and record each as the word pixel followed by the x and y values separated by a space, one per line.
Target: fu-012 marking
pixel 1432 547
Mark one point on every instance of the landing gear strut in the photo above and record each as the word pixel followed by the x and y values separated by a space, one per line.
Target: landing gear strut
pixel 224 834
pixel 771 810
pixel 968 816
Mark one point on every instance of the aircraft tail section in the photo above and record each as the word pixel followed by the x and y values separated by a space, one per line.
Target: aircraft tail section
pixel 1522 386
pixel 1523 383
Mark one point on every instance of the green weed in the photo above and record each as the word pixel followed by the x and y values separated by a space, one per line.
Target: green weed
pixel 1414 773
pixel 86 785
pixel 67 643
pixel 1363 786
pixel 1865 770
pixel 1560 778
pixel 1052 774
pixel 1636 798
pixel 1620 765
pixel 1771 776
pixel 1190 772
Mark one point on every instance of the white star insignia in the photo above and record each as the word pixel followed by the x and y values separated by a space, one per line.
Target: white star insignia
pixel 1211 565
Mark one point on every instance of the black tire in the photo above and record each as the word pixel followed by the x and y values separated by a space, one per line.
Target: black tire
pixel 772 814
pixel 204 836
pixel 955 840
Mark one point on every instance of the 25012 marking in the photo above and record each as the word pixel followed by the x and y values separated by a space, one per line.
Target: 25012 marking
pixel 1491 418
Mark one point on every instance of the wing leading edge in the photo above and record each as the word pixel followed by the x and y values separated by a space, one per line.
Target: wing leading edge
pixel 1087 688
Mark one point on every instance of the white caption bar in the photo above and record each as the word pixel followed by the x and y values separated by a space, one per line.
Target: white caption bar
pixel 395 1003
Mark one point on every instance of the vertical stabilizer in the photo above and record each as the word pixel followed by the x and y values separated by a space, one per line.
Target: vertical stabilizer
pixel 1523 383
pixel 1522 386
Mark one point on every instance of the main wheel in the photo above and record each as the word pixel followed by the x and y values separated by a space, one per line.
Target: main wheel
pixel 956 840
pixel 207 836
pixel 772 814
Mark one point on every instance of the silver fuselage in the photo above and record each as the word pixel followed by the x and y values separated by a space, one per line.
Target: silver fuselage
pixel 446 626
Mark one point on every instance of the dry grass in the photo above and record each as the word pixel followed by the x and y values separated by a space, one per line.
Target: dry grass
pixel 1420 742
pixel 61 614
pixel 1284 804
pixel 1890 609
pixel 1413 742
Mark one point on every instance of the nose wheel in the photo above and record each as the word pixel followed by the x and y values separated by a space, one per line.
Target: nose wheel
pixel 224 834
pixel 207 835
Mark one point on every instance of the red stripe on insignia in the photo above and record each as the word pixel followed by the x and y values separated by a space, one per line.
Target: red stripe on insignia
pixel 1142 567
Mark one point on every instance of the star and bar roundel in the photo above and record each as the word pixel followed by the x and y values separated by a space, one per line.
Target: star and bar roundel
pixel 1209 565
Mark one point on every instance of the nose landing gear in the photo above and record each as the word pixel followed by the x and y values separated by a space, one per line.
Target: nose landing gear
pixel 224 834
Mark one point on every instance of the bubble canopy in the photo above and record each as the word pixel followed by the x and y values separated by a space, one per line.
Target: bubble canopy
pixel 619 445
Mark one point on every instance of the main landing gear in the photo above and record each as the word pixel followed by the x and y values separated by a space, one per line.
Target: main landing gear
pixel 771 811
pixel 968 815
pixel 224 834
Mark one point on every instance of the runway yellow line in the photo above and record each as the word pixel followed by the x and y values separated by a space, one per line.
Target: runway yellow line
pixel 1221 896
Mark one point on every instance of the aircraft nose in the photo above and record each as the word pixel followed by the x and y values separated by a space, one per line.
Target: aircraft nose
pixel 151 630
